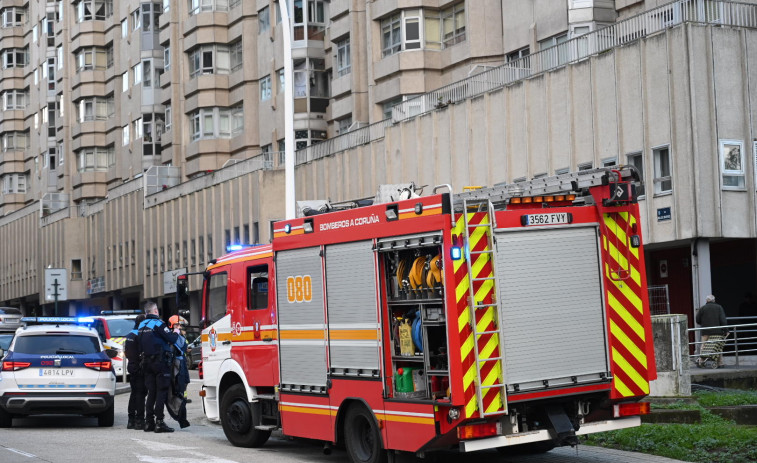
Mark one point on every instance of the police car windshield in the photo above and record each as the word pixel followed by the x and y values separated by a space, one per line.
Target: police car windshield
pixel 120 327
pixel 51 344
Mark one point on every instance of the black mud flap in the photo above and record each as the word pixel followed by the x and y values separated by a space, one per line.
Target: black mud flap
pixel 565 433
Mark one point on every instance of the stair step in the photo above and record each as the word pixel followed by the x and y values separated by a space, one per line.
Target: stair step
pixel 266 427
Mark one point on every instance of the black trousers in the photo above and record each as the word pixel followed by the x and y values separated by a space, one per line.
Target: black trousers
pixel 157 381
pixel 137 397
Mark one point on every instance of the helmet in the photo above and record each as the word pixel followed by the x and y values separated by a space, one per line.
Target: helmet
pixel 177 320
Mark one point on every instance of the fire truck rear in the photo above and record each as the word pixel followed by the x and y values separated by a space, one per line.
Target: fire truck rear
pixel 492 318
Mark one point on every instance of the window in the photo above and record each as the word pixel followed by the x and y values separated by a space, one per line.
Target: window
pixel 59 54
pixel 199 6
pixel 95 159
pixel 265 88
pixel 280 73
pixel 517 54
pixel 125 134
pixel 14 183
pixel 662 173
pixel 35 33
pixel 167 57
pixel 124 28
pixel 732 164
pixel 125 81
pixel 211 59
pixel 343 125
pixel 586 166
pixel 609 162
pixel 312 20
pixel 264 20
pixel 235 49
pixel 216 122
pixel 137 124
pixel 216 302
pixel 14 99
pixel 95 109
pixel 169 117
pixel 15 141
pixel 93 10
pixel 428 29
pixel 51 344
pixel 637 160
pixel 136 20
pixel 257 287
pixel 136 70
pixel 76 269
pixel 15 58
pixel 50 158
pixel 343 59
pixel 14 16
pixel 556 56
pixel 453 20
pixel 94 59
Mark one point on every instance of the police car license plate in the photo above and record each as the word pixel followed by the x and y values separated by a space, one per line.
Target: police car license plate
pixel 556 218
pixel 56 371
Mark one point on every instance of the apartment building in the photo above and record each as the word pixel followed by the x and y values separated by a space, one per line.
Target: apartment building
pixel 139 139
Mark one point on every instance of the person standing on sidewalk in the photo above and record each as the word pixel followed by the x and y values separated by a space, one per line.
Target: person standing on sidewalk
pixel 156 341
pixel 133 354
pixel 711 317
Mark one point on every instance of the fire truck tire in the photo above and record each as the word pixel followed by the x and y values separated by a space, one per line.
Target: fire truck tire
pixel 6 419
pixel 237 419
pixel 362 437
pixel 526 449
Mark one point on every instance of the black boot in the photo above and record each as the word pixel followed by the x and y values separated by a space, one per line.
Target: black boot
pixel 149 426
pixel 139 423
pixel 130 423
pixel 160 426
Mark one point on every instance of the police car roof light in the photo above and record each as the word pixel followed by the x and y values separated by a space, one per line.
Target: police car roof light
pixel 120 312
pixel 58 320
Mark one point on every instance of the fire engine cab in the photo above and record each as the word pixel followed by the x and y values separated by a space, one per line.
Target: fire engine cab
pixel 492 318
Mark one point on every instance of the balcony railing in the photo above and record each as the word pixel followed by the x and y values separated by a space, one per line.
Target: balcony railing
pixel 718 12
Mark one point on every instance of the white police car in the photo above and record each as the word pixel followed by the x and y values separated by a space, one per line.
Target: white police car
pixel 56 366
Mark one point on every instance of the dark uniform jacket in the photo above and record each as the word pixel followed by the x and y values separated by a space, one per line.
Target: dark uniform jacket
pixel 133 353
pixel 155 338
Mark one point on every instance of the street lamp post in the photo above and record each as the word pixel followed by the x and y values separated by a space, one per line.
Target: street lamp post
pixel 288 111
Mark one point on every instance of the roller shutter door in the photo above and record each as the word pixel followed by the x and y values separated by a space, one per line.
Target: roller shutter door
pixel 352 308
pixel 302 328
pixel 552 310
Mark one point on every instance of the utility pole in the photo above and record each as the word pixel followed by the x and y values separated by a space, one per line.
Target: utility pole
pixel 289 196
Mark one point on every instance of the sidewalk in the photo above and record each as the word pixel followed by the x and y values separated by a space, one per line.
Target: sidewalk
pixel 731 376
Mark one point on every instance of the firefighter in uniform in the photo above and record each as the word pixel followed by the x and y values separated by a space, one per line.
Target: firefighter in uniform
pixel 155 340
pixel 133 355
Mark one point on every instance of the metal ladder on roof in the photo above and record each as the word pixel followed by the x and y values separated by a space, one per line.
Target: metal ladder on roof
pixel 494 360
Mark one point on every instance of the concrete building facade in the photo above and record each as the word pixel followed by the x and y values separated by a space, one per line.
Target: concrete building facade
pixel 139 139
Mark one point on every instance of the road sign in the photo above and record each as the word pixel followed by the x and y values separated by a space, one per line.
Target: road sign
pixel 169 279
pixel 56 280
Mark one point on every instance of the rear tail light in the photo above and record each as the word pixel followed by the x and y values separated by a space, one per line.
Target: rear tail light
pixel 100 366
pixel 473 431
pixel 199 369
pixel 15 366
pixel 631 409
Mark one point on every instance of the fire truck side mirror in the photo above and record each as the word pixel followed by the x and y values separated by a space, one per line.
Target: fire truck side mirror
pixel 182 293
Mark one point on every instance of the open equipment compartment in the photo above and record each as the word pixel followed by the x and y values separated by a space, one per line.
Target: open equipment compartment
pixel 415 316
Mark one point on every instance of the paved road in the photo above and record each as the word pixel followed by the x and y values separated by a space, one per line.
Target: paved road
pixel 79 440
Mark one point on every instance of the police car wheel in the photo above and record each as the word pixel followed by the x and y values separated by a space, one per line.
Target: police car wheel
pixel 6 419
pixel 362 437
pixel 105 419
pixel 238 420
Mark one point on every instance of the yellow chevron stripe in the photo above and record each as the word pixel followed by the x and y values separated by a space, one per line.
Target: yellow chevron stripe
pixel 462 288
pixel 495 405
pixel 630 371
pixel 467 347
pixel 622 261
pixel 616 230
pixel 489 349
pixel 470 377
pixel 622 388
pixel 487 318
pixel 621 336
pixel 493 376
pixel 632 297
pixel 471 407
pixel 621 310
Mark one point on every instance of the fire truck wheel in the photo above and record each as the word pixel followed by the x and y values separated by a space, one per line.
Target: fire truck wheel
pixel 362 436
pixel 237 419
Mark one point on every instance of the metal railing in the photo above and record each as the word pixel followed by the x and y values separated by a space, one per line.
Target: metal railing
pixel 659 300
pixel 742 338
pixel 351 139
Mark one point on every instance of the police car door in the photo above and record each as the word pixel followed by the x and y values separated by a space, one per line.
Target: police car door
pixel 216 337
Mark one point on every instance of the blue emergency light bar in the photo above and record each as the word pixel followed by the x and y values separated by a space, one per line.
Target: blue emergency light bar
pixel 120 312
pixel 240 246
pixel 58 320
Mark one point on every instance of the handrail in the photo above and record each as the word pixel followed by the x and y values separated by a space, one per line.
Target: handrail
pixel 744 333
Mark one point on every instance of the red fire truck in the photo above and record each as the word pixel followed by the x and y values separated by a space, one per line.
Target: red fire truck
pixel 492 318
